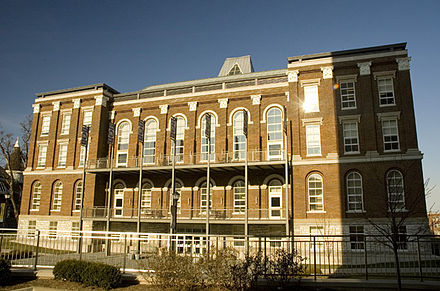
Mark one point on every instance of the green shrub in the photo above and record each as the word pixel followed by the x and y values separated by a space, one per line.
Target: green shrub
pixel 88 273
pixel 5 270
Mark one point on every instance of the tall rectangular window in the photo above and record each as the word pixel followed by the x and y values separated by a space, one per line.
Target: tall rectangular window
pixel 42 156
pixel 313 140
pixel 45 126
pixel 351 139
pixel 390 135
pixel 357 237
pixel 62 155
pixel 75 230
pixel 87 119
pixel 65 125
pixel 78 191
pixel 402 239
pixel 32 227
pixel 348 97
pixel 311 99
pixel 53 225
pixel 386 91
pixel 36 196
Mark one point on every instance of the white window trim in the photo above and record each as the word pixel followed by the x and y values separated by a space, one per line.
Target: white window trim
pixel 43 116
pixel 362 195
pixel 61 144
pixel 45 157
pixel 382 119
pixel 64 114
pixel 381 76
pixel 308 195
pixel 304 101
pixel 320 145
pixel 348 79
pixel 357 136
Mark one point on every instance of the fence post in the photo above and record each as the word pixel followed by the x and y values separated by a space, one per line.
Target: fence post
pixel 365 257
pixel 419 257
pixel 36 250
pixel 265 256
pixel 314 257
pixel 125 253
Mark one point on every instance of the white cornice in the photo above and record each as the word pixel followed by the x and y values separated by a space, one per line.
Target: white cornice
pixel 332 60
pixel 71 95
pixel 356 117
pixel 37 173
pixel 388 115
pixel 206 93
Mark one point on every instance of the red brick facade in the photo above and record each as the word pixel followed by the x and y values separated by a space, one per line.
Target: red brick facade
pixel 222 97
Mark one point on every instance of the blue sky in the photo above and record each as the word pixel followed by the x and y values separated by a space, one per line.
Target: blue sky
pixel 49 45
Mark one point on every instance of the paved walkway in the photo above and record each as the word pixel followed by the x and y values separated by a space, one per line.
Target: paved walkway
pixel 339 283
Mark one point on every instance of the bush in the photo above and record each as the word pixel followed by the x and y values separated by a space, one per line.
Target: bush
pixel 245 272
pixel 5 270
pixel 217 269
pixel 284 266
pixel 171 270
pixel 88 273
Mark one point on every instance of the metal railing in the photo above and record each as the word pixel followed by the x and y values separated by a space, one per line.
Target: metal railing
pixel 158 214
pixel 332 256
pixel 197 158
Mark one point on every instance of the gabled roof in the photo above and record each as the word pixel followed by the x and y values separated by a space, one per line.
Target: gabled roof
pixel 244 63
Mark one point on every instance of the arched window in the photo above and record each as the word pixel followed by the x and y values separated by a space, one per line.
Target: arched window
pixel 78 190
pixel 396 192
pixel 204 196
pixel 57 195
pixel 150 141
pixel 275 201
pixel 239 138
pixel 180 137
pixel 123 141
pixel 239 196
pixel 146 198
pixel 354 192
pixel 274 133
pixel 36 196
pixel 204 150
pixel 315 188
pixel 118 199
pixel 179 191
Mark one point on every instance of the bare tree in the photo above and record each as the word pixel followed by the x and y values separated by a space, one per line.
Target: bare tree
pixel 26 128
pixel 400 208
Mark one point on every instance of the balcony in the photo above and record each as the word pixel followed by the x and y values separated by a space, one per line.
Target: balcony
pixel 186 215
pixel 189 160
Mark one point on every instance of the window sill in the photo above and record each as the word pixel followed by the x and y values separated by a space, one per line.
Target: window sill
pixel 35 210
pixel 349 108
pixel 398 210
pixel 40 168
pixel 61 167
pixel 316 211
pixel 387 105
pixel 314 156
pixel 351 153
pixel 355 211
pixel 392 151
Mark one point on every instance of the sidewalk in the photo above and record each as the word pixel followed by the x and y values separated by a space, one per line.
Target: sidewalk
pixel 338 284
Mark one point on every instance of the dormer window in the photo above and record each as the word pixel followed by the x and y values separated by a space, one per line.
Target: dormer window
pixel 235 70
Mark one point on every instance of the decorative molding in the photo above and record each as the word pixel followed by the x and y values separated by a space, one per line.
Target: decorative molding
pixel 192 105
pixel 256 99
pixel 36 108
pixel 327 72
pixel 100 101
pixel 56 106
pixel 388 115
pixel 228 188
pixel 136 112
pixel 112 115
pixel 332 156
pixel 297 157
pixel 163 109
pixel 76 103
pixel 223 102
pixel 346 77
pixel 403 63
pixel 292 76
pixel 384 74
pixel 311 120
pixel 356 117
pixel 364 68
pixel 310 82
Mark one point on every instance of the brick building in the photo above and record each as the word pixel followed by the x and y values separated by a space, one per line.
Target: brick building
pixel 339 127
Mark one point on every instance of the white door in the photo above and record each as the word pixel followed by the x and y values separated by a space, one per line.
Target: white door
pixel 275 201
pixel 118 202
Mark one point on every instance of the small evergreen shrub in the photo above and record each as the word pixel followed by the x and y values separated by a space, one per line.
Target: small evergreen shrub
pixel 5 270
pixel 88 273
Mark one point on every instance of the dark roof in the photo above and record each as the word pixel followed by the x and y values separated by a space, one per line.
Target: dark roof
pixel 82 88
pixel 351 52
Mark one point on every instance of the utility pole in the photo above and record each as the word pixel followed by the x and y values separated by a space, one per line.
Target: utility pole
pixel 85 144
pixel 174 195
pixel 141 130
pixel 208 182
pixel 111 142
pixel 246 186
